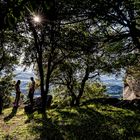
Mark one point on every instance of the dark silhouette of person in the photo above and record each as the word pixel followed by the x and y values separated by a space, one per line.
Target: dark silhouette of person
pixel 1 104
pixel 31 91
pixel 17 89
pixel 17 98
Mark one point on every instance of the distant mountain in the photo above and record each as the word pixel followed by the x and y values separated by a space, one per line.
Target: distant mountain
pixel 114 85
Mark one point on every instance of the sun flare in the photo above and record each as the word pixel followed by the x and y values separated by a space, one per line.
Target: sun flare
pixel 37 19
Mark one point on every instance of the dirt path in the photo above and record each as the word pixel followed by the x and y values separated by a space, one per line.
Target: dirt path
pixel 12 125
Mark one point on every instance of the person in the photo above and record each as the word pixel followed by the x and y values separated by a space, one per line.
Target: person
pixel 31 91
pixel 1 104
pixel 17 89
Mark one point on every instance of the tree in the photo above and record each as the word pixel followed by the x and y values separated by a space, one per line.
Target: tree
pixel 42 40
pixel 45 39
pixel 122 17
pixel 83 62
pixel 10 45
pixel 114 23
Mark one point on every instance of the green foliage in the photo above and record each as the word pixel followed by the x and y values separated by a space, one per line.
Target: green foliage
pixel 94 90
pixel 91 121
pixel 6 87
pixel 75 40
pixel 61 97
pixel 8 59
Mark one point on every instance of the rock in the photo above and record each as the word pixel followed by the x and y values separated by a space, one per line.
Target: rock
pixel 131 89
pixel 37 104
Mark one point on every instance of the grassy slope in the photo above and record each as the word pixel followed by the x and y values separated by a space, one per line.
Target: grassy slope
pixel 93 121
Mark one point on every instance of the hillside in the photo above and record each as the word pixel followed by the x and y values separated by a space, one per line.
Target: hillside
pixel 92 121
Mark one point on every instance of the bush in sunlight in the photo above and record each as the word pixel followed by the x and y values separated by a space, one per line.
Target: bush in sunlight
pixel 61 97
pixel 94 90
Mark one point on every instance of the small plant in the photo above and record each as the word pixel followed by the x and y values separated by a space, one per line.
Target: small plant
pixel 61 97
pixel 94 90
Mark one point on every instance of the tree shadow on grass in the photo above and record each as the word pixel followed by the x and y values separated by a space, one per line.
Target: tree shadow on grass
pixel 123 104
pixel 131 126
pixel 11 115
pixel 90 124
pixel 87 123
pixel 104 101
pixel 30 116
pixel 46 129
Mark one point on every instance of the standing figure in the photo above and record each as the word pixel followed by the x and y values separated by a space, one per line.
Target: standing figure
pixel 31 91
pixel 17 89
pixel 1 104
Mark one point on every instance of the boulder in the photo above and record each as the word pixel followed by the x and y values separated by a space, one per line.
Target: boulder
pixel 131 89
pixel 37 104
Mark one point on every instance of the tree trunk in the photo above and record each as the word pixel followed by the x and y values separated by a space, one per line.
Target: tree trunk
pixel 73 101
pixel 73 96
pixel 135 36
pixel 81 90
pixel 41 74
pixel 38 47
pixel 47 83
pixel 52 42
pixel 49 68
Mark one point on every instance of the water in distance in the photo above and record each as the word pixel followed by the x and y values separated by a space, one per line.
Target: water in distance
pixel 114 85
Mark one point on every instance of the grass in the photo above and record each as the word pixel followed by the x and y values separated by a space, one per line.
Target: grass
pixel 93 121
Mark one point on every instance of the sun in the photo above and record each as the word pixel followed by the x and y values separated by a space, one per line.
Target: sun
pixel 37 19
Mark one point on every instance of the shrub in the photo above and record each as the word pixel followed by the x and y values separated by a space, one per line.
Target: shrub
pixel 61 97
pixel 94 90
pixel 6 87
